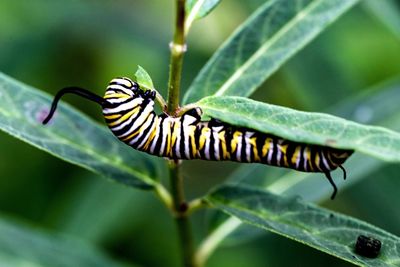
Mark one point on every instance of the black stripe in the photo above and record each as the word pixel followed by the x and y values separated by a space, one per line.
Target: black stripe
pixel 211 147
pixel 243 153
pixel 290 152
pixel 157 148
pixel 301 160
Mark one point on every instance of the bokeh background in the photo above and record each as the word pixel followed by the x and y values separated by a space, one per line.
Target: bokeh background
pixel 350 70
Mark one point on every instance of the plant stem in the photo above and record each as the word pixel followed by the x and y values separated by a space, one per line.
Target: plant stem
pixel 179 205
pixel 178 49
pixel 181 215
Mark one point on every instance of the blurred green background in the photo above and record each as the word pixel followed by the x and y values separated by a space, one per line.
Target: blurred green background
pixel 53 44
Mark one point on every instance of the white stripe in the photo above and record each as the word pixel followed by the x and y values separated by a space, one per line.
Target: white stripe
pixel 270 151
pixel 187 120
pixel 216 143
pixel 119 87
pixel 298 157
pixel 207 144
pixel 127 83
pixel 305 158
pixel 124 107
pixel 324 161
pixel 167 126
pixel 239 147
pixel 248 145
pixel 178 139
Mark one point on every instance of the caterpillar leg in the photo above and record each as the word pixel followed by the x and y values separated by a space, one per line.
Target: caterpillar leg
pixel 329 177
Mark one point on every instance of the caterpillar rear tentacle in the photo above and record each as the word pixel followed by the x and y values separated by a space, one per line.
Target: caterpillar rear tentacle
pixel 129 113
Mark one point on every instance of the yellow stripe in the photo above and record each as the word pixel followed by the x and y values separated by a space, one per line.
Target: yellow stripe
pixel 283 151
pixel 114 116
pixel 202 139
pixel 253 142
pixel 317 161
pixel 234 141
pixel 296 155
pixel 140 129
pixel 192 138
pixel 308 157
pixel 124 117
pixel 152 135
pixel 225 153
pixel 266 146
pixel 116 95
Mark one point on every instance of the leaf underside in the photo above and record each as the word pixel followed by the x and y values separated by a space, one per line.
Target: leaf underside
pixel 330 232
pixel 306 127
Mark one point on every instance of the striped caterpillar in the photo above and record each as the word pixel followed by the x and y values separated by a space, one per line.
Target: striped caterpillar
pixel 129 113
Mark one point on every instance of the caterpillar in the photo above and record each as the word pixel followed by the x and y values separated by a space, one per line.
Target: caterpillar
pixel 129 113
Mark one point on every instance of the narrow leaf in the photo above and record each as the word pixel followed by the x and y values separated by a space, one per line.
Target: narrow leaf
pixel 387 11
pixel 143 78
pixel 71 136
pixel 307 127
pixel 264 42
pixel 23 246
pixel 197 9
pixel 378 105
pixel 330 232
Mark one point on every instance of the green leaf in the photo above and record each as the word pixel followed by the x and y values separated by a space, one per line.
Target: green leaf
pixel 330 232
pixel 378 105
pixel 197 9
pixel 143 78
pixel 307 127
pixel 21 246
pixel 71 136
pixel 264 42
pixel 387 11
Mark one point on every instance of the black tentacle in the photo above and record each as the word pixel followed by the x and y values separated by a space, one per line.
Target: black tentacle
pixel 73 90
pixel 329 177
pixel 344 172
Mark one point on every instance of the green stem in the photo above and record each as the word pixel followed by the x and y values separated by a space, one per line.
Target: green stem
pixel 179 205
pixel 178 49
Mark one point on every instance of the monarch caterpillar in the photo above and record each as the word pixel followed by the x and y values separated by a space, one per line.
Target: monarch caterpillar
pixel 129 113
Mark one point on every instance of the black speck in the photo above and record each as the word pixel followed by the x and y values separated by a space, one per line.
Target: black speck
pixel 368 246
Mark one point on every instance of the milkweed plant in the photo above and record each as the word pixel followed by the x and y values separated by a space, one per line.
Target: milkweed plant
pixel 230 126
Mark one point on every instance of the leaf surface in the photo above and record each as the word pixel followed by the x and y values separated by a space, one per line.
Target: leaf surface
pixel 328 231
pixel 22 246
pixel 263 43
pixel 197 9
pixel 143 78
pixel 71 136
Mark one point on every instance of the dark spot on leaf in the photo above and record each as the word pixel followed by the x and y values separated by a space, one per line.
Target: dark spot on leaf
pixel 368 246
